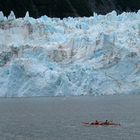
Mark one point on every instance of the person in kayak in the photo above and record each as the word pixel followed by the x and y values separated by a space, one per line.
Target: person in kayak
pixel 106 122
pixel 95 123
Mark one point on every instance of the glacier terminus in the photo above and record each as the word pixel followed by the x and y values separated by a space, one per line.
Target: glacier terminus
pixel 98 55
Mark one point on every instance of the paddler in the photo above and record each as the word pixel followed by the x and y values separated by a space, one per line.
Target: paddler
pixel 96 122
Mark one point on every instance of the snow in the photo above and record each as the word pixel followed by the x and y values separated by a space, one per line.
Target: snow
pixel 99 55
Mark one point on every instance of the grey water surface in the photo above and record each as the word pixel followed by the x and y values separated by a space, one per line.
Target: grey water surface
pixel 59 118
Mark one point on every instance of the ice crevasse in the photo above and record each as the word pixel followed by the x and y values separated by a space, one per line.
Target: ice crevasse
pixel 98 55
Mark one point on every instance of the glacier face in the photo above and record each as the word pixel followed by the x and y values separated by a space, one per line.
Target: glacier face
pixel 99 55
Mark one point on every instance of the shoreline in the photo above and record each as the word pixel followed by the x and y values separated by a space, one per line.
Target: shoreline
pixel 71 96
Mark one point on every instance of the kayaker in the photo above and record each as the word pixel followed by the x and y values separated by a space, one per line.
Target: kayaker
pixel 106 122
pixel 96 122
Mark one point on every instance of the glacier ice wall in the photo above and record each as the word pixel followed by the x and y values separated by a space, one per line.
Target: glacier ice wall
pixel 99 55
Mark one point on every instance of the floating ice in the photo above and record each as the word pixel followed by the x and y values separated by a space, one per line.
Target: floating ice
pixel 99 55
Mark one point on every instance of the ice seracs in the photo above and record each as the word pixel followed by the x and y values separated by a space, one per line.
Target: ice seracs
pixel 99 55
pixel 11 16
pixel 1 16
pixel 27 16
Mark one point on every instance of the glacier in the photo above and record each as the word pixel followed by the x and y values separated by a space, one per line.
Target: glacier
pixel 98 55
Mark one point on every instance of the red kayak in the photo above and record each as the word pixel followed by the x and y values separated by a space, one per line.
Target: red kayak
pixel 100 124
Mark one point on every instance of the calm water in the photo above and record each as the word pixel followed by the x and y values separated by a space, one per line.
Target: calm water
pixel 60 118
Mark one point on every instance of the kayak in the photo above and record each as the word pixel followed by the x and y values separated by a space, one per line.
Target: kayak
pixel 100 124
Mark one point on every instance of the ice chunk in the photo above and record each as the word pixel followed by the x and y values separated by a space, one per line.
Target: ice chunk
pixel 11 16
pixel 1 16
pixel 27 16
